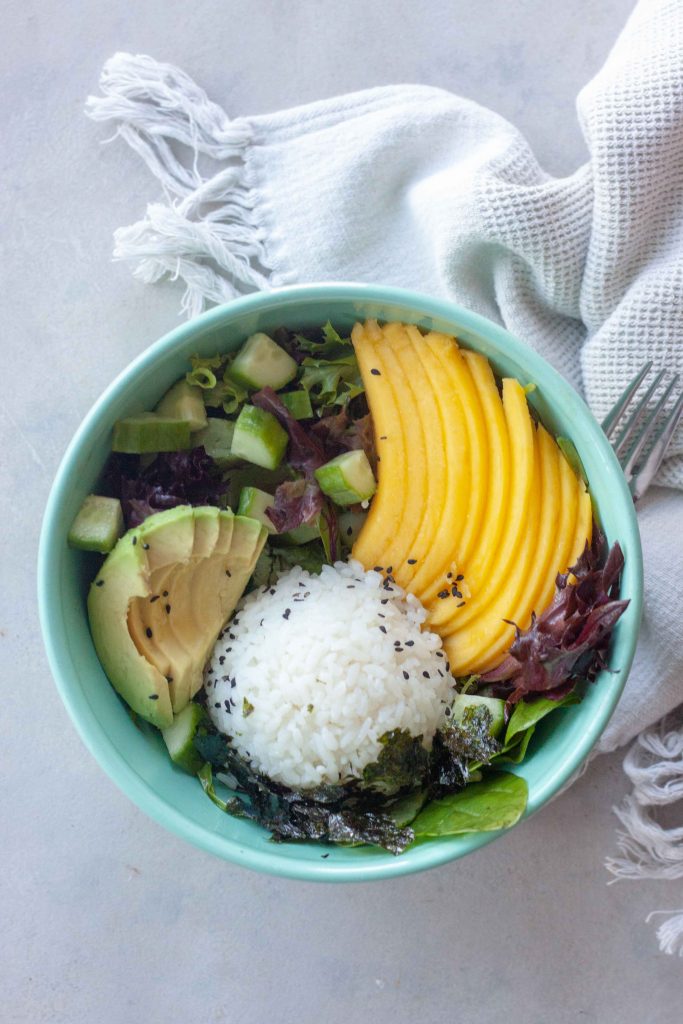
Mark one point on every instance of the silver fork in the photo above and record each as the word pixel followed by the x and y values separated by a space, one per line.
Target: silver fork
pixel 641 431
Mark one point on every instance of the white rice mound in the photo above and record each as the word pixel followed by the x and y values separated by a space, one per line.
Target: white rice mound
pixel 315 669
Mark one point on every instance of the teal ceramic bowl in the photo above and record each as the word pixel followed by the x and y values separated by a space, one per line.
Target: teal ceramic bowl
pixel 135 759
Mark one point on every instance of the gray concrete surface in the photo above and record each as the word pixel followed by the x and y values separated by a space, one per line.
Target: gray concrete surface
pixel 103 916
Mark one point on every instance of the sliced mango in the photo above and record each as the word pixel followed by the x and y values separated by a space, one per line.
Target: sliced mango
pixel 476 509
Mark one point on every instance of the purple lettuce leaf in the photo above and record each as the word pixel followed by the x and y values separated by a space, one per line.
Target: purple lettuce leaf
pixel 570 639
pixel 174 478
pixel 296 502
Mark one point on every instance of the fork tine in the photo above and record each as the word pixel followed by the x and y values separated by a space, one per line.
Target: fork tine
pixel 645 475
pixel 614 415
pixel 647 429
pixel 628 435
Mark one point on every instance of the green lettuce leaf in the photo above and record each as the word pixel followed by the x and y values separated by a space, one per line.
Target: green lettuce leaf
pixel 499 801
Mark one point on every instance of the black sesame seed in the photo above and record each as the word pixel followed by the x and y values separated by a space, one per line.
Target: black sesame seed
pixel 145 547
pixel 410 643
pixel 225 679
pixel 442 594
pixel 455 592
pixel 350 586
pixel 390 569
pixel 375 372
pixel 447 712
pixel 381 615
pixel 398 649
pixel 169 679
pixel 384 600
pixel 301 584
pixel 153 599
pixel 148 633
pixel 135 540
pixel 378 568
pixel 412 561
pixel 233 683
pixel 99 583
pixel 459 577
pixel 449 575
pixel 168 609
pixel 226 704
pixel 324 856
pixel 383 629
pixel 425 674
pixel 227 650
pixel 209 671
pixel 349 531
pixel 154 696
pixel 397 643
pixel 164 593
pixel 461 604
pixel 271 591
pixel 217 704
pixel 406 675
pixel 221 660
pixel 228 573
pixel 439 654
pixel 383 437
pixel 286 613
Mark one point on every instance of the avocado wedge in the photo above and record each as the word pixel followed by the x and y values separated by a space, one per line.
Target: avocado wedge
pixel 161 598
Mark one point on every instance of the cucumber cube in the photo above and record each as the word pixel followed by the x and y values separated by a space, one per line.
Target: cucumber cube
pixel 253 503
pixel 98 524
pixel 259 438
pixel 347 479
pixel 148 432
pixel 494 705
pixel 184 402
pixel 179 738
pixel 350 524
pixel 216 440
pixel 262 363
pixel 298 403
pixel 301 534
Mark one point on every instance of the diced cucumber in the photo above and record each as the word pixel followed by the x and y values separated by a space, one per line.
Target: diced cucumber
pixel 216 439
pixel 179 738
pixel 298 403
pixel 495 706
pixel 183 402
pixel 253 503
pixel 259 438
pixel 150 433
pixel 301 534
pixel 350 524
pixel 262 363
pixel 98 524
pixel 347 479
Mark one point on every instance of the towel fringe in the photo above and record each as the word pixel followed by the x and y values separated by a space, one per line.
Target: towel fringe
pixel 654 764
pixel 209 236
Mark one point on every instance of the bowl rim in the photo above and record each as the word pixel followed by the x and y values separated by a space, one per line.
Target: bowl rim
pixel 97 740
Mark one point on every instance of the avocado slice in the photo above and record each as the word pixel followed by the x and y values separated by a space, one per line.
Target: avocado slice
pixel 161 598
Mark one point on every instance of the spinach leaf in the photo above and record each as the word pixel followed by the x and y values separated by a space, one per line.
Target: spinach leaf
pixel 527 713
pixel 497 802
pixel 405 809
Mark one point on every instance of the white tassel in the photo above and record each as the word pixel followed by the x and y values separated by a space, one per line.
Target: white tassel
pixel 648 850
pixel 210 237
pixel 670 933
